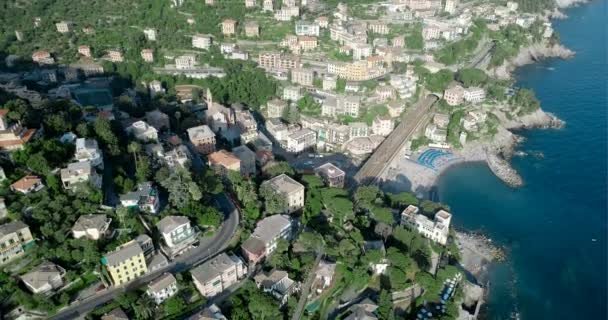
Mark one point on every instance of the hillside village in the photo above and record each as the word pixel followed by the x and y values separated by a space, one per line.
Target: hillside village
pixel 195 159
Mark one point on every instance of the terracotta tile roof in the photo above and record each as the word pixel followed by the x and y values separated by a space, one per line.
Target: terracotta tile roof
pixel 26 182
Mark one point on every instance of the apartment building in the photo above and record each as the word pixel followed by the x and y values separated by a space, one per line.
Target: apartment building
pixel 307 43
pixel 91 226
pixel 286 13
pixel 42 57
pixel 222 162
pixel 185 62
pixel 228 27
pixel 474 94
pixel 63 26
pixel 202 138
pixel 288 188
pixel 85 51
pixel 177 234
pixel 292 93
pixel 217 274
pixel 332 175
pixel 304 28
pixel 115 55
pixel 78 173
pixel 454 95
pixel 437 229
pixel 358 129
pixel 145 198
pixel 378 27
pixel 383 125
pixel 279 61
pixel 126 263
pixel 263 240
pixel 15 236
pixel 202 41
pixel 150 34
pixel 341 105
pixel 275 108
pixel 301 76
pixel 301 140
pixel 142 131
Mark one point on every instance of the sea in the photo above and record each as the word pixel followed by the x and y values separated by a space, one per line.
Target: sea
pixel 554 228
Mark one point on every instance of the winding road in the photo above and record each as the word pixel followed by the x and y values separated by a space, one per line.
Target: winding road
pixel 192 258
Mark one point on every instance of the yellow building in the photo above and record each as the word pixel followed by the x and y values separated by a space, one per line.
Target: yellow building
pixel 126 263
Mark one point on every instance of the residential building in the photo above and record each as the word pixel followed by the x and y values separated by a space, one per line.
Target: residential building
pixel 304 77
pixel 78 173
pixel 341 105
pixel 223 161
pixel 277 283
pixel 3 210
pixel 247 158
pixel 437 229
pixel 306 43
pixel 454 95
pixel 63 26
pixel 177 157
pixel 435 133
pixel 278 61
pixel 212 312
pixel 27 184
pixel 362 51
pixel 155 87
pixel 263 240
pixel 304 28
pixel 126 263
pixel 275 108
pixel 15 236
pixel 322 22
pixel 12 135
pixel 358 129
pixel 385 93
pixel 250 3
pixel 244 119
pixel 332 175
pixel 292 93
pixel 450 6
pixel 202 41
pixel 252 29
pixel 268 6
pixel 365 310
pixel 162 288
pixel 378 27
pixel 44 278
pixel 42 57
pixel 147 55
pixel 351 86
pixel 286 13
pixel 228 27
pixel 146 244
pixel 291 191
pixel 85 51
pixel 441 120
pixel 115 55
pixel 202 138
pixel 185 62
pixel 301 140
pixel 474 94
pixel 217 274
pixel 383 125
pixel 177 233
pixel 88 150
pixel 330 82
pixel 361 146
pixel 145 198
pixel 398 41
pixel 150 34
pixel 324 275
pixel 91 226
pixel 142 131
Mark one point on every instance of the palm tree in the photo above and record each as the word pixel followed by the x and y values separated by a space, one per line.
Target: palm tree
pixel 134 148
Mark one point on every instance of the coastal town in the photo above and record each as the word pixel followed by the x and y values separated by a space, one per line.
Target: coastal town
pixel 251 160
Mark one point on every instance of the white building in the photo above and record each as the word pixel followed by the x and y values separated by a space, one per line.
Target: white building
pixel 176 231
pixel 383 125
pixel 145 198
pixel 474 94
pixel 88 150
pixel 91 226
pixel 142 131
pixel 286 13
pixel 292 93
pixel 437 229
pixel 44 278
pixel 185 62
pixel 155 87
pixel 304 28
pixel 267 233
pixel 162 288
pixel 202 41
pixel 301 140
pixel 150 34
pixel 217 274
pixel 80 172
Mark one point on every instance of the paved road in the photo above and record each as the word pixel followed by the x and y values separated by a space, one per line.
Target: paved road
pixel 188 260
pixel 306 288
pixel 394 143
pixel 483 56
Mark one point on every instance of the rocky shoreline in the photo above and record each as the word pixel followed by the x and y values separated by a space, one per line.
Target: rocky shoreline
pixel 529 55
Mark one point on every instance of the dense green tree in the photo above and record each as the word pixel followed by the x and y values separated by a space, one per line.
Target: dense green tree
pixel 472 77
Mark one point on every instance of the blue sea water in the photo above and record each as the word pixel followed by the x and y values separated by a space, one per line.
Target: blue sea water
pixel 555 227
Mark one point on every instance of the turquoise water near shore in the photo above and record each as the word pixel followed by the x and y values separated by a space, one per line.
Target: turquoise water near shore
pixel 555 227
